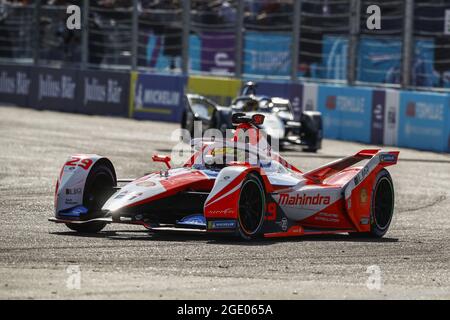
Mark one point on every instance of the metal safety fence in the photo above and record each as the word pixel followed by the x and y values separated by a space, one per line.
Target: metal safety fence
pixel 379 51
pixel 389 43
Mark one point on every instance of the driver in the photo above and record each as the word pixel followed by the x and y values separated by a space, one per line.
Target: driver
pixel 251 105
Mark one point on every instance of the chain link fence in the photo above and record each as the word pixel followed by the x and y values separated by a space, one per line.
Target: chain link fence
pixel 380 50
pixel 300 40
pixel 212 37
pixel 324 38
pixel 431 32
pixel 267 24
pixel 17 22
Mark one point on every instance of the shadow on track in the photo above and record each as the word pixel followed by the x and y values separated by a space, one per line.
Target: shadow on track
pixel 216 239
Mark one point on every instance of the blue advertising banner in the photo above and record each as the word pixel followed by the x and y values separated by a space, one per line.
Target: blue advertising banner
pixel 447 123
pixel 263 59
pixel 291 91
pixel 378 116
pixel 424 121
pixel 379 60
pixel 104 93
pixel 157 97
pixel 15 82
pixel 54 89
pixel 347 112
pixel 334 59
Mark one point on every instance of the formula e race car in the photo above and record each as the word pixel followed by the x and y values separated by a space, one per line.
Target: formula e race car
pixel 279 118
pixel 237 186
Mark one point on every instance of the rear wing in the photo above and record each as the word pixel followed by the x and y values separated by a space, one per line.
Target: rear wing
pixel 376 156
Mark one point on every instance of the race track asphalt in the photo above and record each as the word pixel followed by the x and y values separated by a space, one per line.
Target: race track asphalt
pixel 37 256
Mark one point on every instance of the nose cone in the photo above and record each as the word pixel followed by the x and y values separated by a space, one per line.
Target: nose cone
pixel 153 187
pixel 143 188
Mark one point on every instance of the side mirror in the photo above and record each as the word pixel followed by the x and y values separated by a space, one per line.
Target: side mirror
pixel 160 158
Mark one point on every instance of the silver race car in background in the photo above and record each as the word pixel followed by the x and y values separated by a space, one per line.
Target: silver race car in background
pixel 279 123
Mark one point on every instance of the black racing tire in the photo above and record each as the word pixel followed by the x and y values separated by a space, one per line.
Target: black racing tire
pixel 381 207
pixel 183 120
pixel 310 149
pixel 189 126
pixel 188 123
pixel 252 204
pixel 218 123
pixel 98 188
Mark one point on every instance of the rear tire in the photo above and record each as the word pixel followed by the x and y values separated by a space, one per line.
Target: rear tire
pixel 381 207
pixel 252 204
pixel 98 188
pixel 310 149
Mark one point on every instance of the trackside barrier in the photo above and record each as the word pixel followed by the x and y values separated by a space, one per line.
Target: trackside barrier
pixel 54 89
pixel 104 93
pixel 67 90
pixel 378 116
pixel 221 90
pixel 15 84
pixel 346 112
pixel 156 97
pixel 424 121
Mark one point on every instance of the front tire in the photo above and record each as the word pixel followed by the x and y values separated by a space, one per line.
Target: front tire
pixel 98 188
pixel 310 149
pixel 252 204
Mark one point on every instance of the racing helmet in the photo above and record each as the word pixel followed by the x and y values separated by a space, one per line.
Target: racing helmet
pixel 251 105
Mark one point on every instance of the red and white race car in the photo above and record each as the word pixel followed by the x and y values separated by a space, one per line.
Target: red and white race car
pixel 237 186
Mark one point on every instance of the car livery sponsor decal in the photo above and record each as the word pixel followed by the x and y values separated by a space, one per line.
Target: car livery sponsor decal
pixel 361 175
pixel 283 224
pixel 74 191
pixel 121 194
pixel 227 211
pixel 135 195
pixel 210 173
pixel 306 201
pixel 146 184
pixel 222 224
pixel 327 217
pixel 193 220
pixel 387 157
pixel 364 221
pixel 302 199
pixel 363 195
pixel 74 212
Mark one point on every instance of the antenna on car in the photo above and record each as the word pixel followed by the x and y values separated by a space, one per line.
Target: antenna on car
pixel 249 89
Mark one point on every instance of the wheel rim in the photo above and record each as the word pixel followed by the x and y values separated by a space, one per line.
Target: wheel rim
pixel 250 207
pixel 383 203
